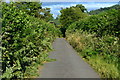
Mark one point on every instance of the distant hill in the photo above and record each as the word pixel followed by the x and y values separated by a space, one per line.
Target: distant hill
pixel 93 12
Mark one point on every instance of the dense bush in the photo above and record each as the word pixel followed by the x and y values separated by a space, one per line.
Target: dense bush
pixel 25 40
pixel 102 24
pixel 97 40
pixel 102 53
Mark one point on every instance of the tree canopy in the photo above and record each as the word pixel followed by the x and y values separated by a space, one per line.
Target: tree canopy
pixel 72 14
pixel 34 9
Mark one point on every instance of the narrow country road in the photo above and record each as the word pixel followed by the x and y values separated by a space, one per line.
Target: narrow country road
pixel 68 63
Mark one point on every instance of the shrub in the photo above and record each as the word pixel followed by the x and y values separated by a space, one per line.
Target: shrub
pixel 25 40
pixel 102 24
pixel 101 52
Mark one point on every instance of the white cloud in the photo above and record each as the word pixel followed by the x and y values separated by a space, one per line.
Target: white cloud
pixel 55 8
pixel 79 0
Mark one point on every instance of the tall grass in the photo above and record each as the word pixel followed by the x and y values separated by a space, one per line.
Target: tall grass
pixel 102 53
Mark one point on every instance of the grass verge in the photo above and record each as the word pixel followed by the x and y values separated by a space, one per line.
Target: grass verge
pixel 102 53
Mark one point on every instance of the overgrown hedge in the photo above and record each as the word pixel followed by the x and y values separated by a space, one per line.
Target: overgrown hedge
pixel 97 40
pixel 25 40
pixel 102 24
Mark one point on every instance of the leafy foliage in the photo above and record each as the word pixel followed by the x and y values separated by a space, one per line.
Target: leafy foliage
pixel 70 15
pixel 97 40
pixel 83 9
pixel 102 24
pixel 94 12
pixel 25 40
pixel 101 52
pixel 34 9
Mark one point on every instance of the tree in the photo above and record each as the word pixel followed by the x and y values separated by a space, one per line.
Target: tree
pixel 83 9
pixel 97 11
pixel 70 15
pixel 45 14
pixel 34 9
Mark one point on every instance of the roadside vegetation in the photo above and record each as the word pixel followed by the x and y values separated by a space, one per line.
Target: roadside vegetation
pixel 102 53
pixel 26 38
pixel 96 38
pixel 28 31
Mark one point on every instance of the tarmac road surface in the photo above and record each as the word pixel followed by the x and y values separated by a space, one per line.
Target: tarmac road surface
pixel 68 63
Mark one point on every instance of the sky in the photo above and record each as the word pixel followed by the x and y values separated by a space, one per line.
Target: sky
pixel 79 0
pixel 65 0
pixel 56 6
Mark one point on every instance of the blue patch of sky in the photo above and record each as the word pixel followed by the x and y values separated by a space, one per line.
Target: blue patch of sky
pixel 7 1
pixel 56 6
